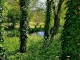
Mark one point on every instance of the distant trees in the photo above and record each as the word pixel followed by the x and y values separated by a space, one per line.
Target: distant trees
pixel 23 25
pixel 71 33
pixel 12 14
pixel 13 17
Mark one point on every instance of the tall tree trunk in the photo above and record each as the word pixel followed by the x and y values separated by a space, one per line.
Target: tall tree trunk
pixel 47 22
pixel 23 25
pixel 54 29
pixel 71 33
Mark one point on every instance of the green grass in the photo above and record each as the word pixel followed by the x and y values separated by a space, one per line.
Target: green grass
pixel 34 50
pixel 11 43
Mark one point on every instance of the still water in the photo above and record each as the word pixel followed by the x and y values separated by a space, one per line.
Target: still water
pixel 40 33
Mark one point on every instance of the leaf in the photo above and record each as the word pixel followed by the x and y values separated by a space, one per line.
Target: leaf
pixel 74 16
pixel 68 36
pixel 75 3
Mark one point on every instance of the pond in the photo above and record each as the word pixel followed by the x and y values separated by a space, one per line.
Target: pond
pixel 40 33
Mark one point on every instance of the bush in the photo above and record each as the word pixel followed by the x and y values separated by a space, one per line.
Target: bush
pixel 13 33
pixel 32 30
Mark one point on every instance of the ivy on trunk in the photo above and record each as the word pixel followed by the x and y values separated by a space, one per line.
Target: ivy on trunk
pixel 23 25
pixel 47 23
pixel 71 33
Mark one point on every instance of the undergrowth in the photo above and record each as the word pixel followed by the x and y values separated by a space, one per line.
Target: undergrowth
pixel 34 48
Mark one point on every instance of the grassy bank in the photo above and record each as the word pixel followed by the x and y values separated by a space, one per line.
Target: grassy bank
pixel 34 50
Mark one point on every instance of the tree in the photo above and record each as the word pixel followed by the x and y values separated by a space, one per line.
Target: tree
pixel 23 25
pixel 47 22
pixel 2 50
pixel 13 17
pixel 50 32
pixel 70 36
pixel 55 27
pixel 1 20
pixel 12 12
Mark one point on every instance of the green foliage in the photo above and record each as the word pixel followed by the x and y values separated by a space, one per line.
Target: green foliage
pixel 71 34
pixel 33 30
pixel 34 50
pixel 13 33
pixel 34 42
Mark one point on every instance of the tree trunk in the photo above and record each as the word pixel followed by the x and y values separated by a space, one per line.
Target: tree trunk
pixel 23 25
pixel 54 29
pixel 0 18
pixel 1 38
pixel 47 22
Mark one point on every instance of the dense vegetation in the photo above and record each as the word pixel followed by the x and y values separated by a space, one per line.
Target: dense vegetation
pixel 39 30
pixel 71 35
